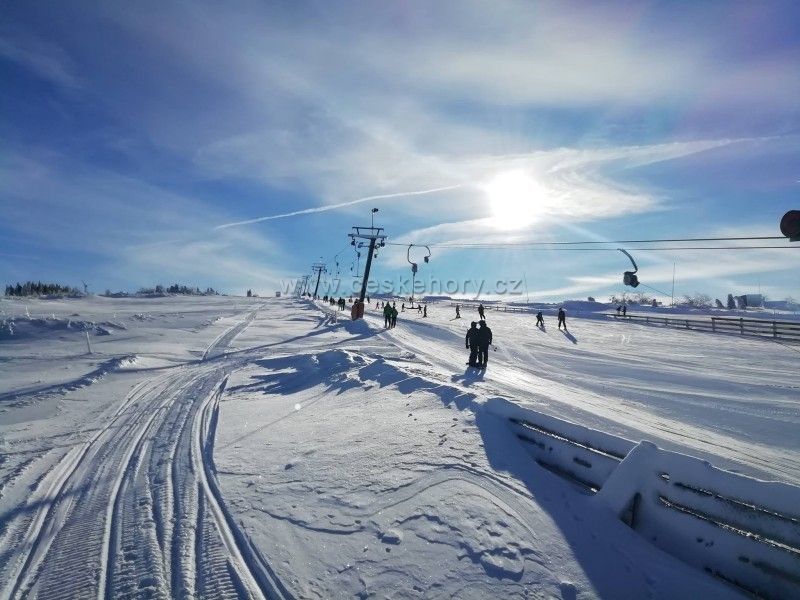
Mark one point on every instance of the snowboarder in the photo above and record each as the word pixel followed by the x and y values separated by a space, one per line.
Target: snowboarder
pixel 481 311
pixel 484 341
pixel 387 315
pixel 539 320
pixel 562 318
pixel 471 341
pixel 394 315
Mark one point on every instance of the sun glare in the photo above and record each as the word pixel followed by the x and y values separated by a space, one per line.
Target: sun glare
pixel 513 198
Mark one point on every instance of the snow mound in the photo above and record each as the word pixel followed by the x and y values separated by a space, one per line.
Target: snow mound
pixel 30 328
pixel 740 529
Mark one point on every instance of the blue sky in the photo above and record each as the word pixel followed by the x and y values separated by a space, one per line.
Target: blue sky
pixel 130 132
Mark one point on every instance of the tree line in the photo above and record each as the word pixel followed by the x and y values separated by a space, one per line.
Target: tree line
pixel 183 290
pixel 37 288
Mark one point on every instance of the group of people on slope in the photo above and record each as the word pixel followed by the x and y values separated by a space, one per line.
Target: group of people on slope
pixel 562 319
pixel 341 303
pixel 478 340
pixel 481 311
pixel 390 315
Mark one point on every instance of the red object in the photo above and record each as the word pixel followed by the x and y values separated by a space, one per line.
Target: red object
pixel 357 310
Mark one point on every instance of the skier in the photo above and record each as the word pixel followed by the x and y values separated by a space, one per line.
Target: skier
pixel 425 312
pixel 471 341
pixel 624 310
pixel 619 308
pixel 484 341
pixel 394 315
pixel 480 311
pixel 562 318
pixel 403 307
pixel 387 315
pixel 539 320
pixel 458 311
pixel 419 308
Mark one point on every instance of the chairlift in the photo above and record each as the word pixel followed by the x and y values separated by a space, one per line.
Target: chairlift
pixel 414 268
pixel 356 266
pixel 629 277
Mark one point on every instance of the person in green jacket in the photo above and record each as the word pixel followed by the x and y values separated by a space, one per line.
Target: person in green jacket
pixel 387 315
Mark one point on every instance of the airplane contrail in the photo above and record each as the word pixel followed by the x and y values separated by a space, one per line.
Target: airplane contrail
pixel 317 209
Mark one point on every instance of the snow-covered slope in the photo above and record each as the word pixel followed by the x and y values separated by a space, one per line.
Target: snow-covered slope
pixel 226 447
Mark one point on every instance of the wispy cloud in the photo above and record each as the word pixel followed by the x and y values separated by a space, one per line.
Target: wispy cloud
pixel 361 101
pixel 45 59
pixel 327 207
pixel 123 220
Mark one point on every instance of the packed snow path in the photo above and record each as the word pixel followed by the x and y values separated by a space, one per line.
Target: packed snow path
pixel 136 508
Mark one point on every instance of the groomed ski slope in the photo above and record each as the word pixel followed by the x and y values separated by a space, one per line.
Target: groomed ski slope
pixel 261 448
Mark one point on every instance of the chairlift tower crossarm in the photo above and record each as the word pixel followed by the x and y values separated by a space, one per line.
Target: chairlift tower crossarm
pixel 376 238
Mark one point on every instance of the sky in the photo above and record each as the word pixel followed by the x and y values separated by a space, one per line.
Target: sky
pixel 234 144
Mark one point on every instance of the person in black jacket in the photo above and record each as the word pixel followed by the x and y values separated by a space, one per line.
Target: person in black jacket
pixel 484 341
pixel 562 318
pixel 471 340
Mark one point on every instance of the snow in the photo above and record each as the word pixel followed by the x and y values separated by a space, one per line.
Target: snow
pixel 234 447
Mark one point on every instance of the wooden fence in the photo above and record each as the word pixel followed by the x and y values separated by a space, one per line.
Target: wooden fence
pixel 785 330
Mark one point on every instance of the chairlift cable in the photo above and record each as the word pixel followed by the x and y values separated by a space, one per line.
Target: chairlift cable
pixel 642 248
pixel 593 242
pixel 650 287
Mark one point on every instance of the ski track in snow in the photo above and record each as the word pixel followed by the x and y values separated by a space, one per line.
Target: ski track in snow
pixel 511 376
pixel 135 510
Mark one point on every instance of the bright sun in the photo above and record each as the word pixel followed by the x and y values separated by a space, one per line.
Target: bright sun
pixel 514 197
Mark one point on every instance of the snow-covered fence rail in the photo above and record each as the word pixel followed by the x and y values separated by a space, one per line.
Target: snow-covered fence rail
pixel 580 454
pixel 496 307
pixel 739 529
pixel 786 330
pixel 742 530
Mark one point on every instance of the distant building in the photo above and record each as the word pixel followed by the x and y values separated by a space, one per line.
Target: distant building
pixel 746 301
pixel 277 294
